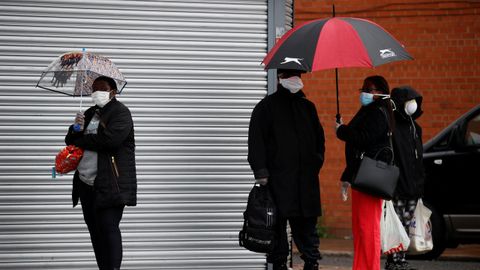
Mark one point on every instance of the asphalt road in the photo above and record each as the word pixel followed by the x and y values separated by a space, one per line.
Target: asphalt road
pixel 341 262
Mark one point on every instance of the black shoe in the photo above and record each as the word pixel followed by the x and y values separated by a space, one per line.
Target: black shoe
pixel 277 266
pixel 310 266
pixel 282 266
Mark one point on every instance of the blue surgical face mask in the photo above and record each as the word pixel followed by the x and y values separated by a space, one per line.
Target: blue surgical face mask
pixel 366 98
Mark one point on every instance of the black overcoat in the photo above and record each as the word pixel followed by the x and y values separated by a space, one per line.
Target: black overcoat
pixel 116 181
pixel 408 145
pixel 286 143
pixel 366 133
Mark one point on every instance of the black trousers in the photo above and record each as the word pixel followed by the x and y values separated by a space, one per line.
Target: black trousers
pixel 103 226
pixel 304 234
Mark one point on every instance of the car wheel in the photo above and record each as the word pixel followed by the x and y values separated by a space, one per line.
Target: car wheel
pixel 438 236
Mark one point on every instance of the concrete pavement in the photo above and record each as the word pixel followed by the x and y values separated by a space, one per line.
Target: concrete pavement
pixel 344 247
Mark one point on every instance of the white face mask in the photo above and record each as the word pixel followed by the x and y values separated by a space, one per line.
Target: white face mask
pixel 100 98
pixel 411 107
pixel 294 83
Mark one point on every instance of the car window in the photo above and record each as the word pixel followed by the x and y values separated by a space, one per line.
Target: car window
pixel 472 134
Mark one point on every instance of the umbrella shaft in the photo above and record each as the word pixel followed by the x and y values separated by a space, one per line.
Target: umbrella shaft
pixel 336 88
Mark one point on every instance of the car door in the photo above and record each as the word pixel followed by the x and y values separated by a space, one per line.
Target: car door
pixel 453 171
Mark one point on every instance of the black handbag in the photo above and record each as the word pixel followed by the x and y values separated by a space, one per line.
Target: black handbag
pixel 258 233
pixel 376 177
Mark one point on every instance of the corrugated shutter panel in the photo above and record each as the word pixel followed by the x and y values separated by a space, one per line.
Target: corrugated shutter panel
pixel 289 15
pixel 194 75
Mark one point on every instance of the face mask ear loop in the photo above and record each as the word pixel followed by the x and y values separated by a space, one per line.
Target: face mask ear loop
pixel 394 106
pixel 382 95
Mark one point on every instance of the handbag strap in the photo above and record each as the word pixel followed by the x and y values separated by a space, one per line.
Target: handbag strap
pixel 389 134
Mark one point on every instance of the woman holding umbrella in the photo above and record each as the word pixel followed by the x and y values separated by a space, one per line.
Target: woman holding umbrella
pixel 366 133
pixel 105 180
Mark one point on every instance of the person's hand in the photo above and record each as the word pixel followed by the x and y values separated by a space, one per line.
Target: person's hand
pixel 79 121
pixel 344 190
pixel 338 123
pixel 262 181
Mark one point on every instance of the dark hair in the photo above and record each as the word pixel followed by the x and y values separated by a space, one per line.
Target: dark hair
pixel 380 83
pixel 111 82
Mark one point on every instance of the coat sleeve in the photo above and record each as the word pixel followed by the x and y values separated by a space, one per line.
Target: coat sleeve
pixel 114 133
pixel 257 141
pixel 372 129
pixel 72 136
pixel 320 137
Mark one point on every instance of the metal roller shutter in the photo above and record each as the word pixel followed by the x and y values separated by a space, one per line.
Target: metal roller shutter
pixel 194 75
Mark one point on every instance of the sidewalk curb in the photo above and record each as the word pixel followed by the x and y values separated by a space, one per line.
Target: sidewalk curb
pixel 462 258
pixel 336 253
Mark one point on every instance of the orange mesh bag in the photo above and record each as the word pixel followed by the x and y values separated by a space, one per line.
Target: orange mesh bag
pixel 68 159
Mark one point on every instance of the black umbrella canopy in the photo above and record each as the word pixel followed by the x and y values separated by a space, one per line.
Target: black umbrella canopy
pixel 335 43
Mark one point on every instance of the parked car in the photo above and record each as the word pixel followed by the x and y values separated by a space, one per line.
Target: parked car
pixel 452 167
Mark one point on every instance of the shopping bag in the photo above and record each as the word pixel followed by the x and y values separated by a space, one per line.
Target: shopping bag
pixel 68 159
pixel 420 230
pixel 394 238
pixel 258 232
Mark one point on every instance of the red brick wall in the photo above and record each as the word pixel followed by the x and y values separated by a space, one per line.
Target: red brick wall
pixel 444 39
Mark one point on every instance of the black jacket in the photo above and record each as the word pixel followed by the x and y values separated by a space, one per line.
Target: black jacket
pixel 116 181
pixel 366 133
pixel 286 143
pixel 408 145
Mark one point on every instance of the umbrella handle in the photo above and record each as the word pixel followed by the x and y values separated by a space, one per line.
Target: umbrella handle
pixel 338 117
pixel 77 127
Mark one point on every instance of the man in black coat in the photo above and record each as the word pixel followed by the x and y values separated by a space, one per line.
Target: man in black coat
pixel 286 146
pixel 105 180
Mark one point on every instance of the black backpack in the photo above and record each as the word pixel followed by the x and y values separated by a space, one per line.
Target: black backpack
pixel 258 233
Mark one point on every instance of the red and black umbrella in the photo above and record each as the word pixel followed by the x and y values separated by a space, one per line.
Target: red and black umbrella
pixel 334 43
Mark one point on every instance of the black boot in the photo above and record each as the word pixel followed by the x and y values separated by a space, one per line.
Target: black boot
pixel 310 266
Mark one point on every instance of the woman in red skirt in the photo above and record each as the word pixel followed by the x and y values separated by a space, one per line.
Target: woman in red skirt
pixel 365 134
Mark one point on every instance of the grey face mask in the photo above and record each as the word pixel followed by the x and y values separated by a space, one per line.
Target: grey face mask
pixel 293 84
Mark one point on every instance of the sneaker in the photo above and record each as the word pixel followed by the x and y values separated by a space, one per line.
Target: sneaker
pixel 393 266
pixel 406 266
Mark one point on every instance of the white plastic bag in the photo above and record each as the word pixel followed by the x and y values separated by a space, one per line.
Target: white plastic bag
pixel 394 238
pixel 420 230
